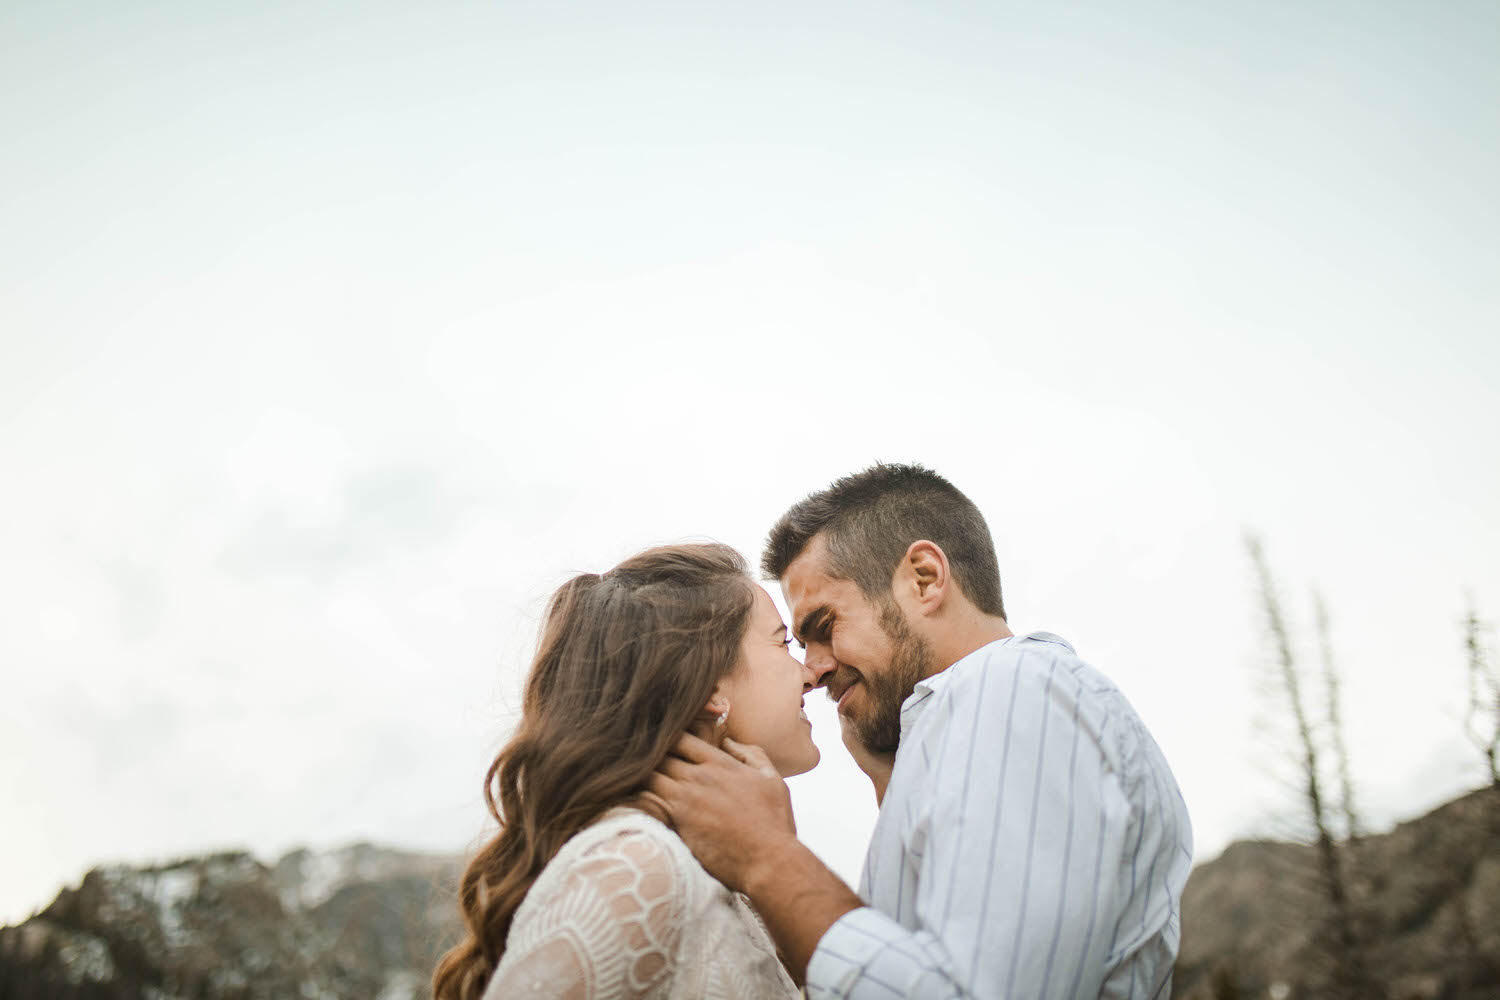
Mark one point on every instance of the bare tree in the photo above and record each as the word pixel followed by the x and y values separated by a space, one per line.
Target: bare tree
pixel 1350 976
pixel 1352 826
pixel 1482 720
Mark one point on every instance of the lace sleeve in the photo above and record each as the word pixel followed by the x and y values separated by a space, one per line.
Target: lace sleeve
pixel 609 932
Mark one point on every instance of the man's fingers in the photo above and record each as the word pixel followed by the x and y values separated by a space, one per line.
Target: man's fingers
pixel 691 748
pixel 676 769
pixel 660 786
pixel 655 803
pixel 703 730
pixel 748 753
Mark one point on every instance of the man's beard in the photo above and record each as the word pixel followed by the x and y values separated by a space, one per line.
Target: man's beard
pixel 880 728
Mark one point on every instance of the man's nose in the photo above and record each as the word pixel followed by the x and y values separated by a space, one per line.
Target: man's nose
pixel 819 664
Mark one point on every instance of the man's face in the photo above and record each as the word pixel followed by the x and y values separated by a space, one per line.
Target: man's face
pixel 865 655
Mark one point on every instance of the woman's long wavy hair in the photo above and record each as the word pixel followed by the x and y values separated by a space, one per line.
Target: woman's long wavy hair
pixel 625 664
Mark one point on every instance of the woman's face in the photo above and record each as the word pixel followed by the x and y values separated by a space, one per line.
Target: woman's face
pixel 765 693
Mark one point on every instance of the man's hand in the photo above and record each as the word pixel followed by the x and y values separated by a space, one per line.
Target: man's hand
pixel 734 812
pixel 877 766
pixel 729 806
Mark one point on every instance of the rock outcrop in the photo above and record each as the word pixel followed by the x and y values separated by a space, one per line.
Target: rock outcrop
pixel 1426 911
pixel 358 922
pixel 369 923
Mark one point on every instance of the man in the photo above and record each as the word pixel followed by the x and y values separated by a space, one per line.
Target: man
pixel 1031 841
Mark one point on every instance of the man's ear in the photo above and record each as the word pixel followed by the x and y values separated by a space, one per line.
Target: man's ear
pixel 924 571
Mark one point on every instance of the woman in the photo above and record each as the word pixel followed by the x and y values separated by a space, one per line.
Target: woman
pixel 583 894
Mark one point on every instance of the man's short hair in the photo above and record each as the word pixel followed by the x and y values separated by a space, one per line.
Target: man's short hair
pixel 870 518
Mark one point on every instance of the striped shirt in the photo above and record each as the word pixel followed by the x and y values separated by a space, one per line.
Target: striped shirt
pixel 1032 843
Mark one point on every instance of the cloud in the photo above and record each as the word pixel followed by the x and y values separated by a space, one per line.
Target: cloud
pixel 376 514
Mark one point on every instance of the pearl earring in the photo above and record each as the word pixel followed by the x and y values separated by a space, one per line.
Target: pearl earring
pixel 723 719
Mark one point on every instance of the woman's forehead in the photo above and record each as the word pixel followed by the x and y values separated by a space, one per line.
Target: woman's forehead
pixel 765 609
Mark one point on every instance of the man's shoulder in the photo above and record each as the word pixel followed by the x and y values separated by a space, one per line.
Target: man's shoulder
pixel 1027 658
pixel 1044 674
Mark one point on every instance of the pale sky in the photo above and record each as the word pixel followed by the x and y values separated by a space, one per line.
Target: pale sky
pixel 333 338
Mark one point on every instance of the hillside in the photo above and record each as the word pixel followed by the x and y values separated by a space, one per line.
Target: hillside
pixel 358 922
pixel 1427 902
pixel 368 923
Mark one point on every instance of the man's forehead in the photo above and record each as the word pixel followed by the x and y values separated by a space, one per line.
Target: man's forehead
pixel 808 571
pixel 807 581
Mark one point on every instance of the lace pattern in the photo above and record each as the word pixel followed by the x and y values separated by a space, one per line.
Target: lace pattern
pixel 624 912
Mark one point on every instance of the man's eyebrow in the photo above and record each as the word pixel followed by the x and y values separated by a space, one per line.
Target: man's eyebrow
pixel 808 619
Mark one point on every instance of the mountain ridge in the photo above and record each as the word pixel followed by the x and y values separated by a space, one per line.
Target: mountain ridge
pixel 370 922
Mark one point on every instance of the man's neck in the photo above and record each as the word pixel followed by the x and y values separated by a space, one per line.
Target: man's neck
pixel 962 636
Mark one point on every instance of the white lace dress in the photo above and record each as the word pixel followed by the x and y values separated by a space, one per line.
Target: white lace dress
pixel 625 911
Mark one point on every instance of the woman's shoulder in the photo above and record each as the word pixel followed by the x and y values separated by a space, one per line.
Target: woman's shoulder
pixel 626 850
pixel 633 832
pixel 630 894
pixel 630 821
pixel 607 916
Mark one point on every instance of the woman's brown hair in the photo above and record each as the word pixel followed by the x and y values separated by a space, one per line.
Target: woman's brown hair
pixel 625 664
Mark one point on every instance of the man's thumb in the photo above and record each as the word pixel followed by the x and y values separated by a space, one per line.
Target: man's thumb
pixel 748 753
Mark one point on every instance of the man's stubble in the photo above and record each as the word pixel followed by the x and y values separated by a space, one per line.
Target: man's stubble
pixel 911 659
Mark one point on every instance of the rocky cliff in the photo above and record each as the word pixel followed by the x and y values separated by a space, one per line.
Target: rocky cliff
pixel 359 922
pixel 369 923
pixel 1425 907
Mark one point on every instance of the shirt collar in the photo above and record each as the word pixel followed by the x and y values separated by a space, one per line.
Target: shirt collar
pixel 922 692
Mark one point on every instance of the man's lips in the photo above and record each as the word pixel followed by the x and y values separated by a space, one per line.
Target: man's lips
pixel 844 694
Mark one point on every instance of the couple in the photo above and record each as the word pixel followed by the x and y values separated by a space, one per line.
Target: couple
pixel 1031 840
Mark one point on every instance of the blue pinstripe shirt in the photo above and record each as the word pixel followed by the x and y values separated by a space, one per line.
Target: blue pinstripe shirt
pixel 1032 843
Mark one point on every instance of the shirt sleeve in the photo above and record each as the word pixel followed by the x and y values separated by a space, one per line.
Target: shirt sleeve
pixel 867 954
pixel 1029 864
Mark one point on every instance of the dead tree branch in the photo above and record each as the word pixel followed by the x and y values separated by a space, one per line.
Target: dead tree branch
pixel 1482 721
pixel 1352 826
pixel 1351 979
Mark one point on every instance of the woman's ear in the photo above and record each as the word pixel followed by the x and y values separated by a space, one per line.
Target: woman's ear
pixel 718 702
pixel 713 721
